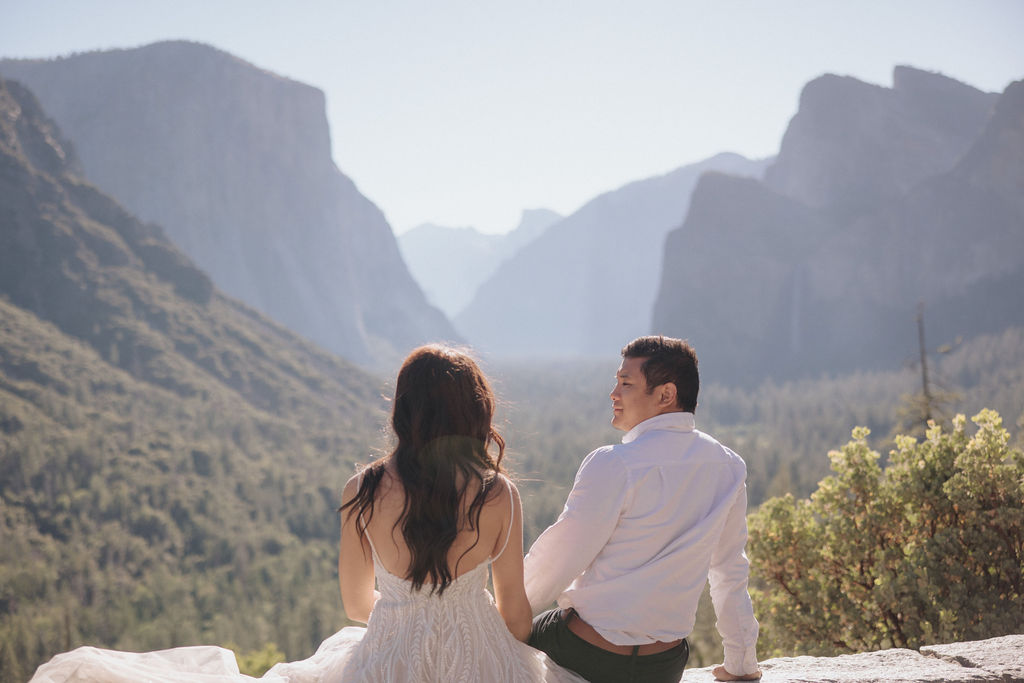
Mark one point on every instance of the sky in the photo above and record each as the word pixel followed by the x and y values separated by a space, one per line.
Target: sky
pixel 465 113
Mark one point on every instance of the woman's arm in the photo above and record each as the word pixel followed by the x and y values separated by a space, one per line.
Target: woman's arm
pixel 507 571
pixel 355 563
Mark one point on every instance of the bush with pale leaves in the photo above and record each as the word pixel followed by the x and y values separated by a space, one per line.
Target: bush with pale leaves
pixel 928 549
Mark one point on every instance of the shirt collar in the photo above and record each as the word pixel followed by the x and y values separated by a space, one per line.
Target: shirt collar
pixel 680 422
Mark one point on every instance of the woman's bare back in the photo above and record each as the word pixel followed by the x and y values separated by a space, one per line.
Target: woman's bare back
pixel 469 548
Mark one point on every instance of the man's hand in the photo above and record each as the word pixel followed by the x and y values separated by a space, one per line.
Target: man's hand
pixel 721 674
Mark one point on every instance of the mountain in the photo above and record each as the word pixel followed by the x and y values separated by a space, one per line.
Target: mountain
pixel 171 460
pixel 587 284
pixel 75 257
pixel 729 273
pixel 450 263
pixel 532 224
pixel 879 200
pixel 852 144
pixel 235 164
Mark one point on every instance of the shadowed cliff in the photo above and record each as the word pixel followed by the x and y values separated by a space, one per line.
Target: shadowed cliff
pixel 879 199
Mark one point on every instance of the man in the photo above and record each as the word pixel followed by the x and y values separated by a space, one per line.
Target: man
pixel 646 525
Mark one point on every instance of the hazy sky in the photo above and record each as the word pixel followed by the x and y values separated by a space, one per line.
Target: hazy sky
pixel 466 113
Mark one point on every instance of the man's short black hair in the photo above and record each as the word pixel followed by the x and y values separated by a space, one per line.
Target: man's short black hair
pixel 668 360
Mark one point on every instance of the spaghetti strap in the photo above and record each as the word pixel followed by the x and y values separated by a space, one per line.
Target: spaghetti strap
pixel 366 535
pixel 511 518
pixel 362 524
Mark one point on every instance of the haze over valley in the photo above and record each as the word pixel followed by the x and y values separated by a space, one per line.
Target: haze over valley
pixel 201 315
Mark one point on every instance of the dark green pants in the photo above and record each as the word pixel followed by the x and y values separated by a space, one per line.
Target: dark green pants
pixel 552 635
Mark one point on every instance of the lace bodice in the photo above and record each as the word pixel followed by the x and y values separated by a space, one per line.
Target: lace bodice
pixel 396 591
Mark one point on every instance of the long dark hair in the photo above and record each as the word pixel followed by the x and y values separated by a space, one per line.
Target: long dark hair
pixel 441 416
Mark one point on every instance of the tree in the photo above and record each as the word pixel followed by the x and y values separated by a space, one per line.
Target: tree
pixel 933 403
pixel 929 549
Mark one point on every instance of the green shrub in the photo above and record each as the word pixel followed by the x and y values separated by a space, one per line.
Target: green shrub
pixel 929 549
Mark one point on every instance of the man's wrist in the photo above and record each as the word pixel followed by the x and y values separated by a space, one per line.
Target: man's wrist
pixel 721 673
pixel 741 661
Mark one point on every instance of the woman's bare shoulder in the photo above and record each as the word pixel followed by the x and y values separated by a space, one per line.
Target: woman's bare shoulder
pixel 382 469
pixel 501 490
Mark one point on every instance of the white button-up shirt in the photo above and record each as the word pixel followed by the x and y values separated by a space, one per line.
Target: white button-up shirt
pixel 647 523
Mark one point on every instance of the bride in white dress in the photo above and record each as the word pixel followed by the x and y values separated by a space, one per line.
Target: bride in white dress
pixel 421 527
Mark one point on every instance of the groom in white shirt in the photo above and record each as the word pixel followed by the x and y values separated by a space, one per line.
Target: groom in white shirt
pixel 648 522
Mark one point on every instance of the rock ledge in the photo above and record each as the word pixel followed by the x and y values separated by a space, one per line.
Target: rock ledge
pixel 996 659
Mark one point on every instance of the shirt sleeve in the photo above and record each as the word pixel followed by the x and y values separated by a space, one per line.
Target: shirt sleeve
pixel 728 577
pixel 569 546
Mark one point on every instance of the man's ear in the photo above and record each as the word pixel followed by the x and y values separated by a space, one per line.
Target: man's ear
pixel 667 395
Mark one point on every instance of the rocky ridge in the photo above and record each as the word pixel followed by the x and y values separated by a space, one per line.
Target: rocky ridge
pixel 791 276
pixel 235 164
pixel 852 143
pixel 74 257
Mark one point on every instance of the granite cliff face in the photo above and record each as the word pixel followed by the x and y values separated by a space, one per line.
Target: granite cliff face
pixel 72 256
pixel 586 286
pixel 852 144
pixel 732 271
pixel 809 278
pixel 235 163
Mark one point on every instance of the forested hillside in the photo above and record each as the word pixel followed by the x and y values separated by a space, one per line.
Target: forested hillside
pixel 134 518
pixel 170 461
pixel 557 412
pixel 137 518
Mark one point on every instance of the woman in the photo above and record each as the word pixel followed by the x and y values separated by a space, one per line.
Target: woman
pixel 423 524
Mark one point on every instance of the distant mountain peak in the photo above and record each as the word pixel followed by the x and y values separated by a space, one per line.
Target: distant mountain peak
pixel 450 262
pixel 853 144
pixel 911 79
pixel 568 292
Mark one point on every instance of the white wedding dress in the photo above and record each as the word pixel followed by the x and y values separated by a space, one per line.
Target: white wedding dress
pixel 412 636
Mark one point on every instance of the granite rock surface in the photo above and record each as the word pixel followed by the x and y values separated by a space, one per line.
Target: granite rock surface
pixel 996 659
